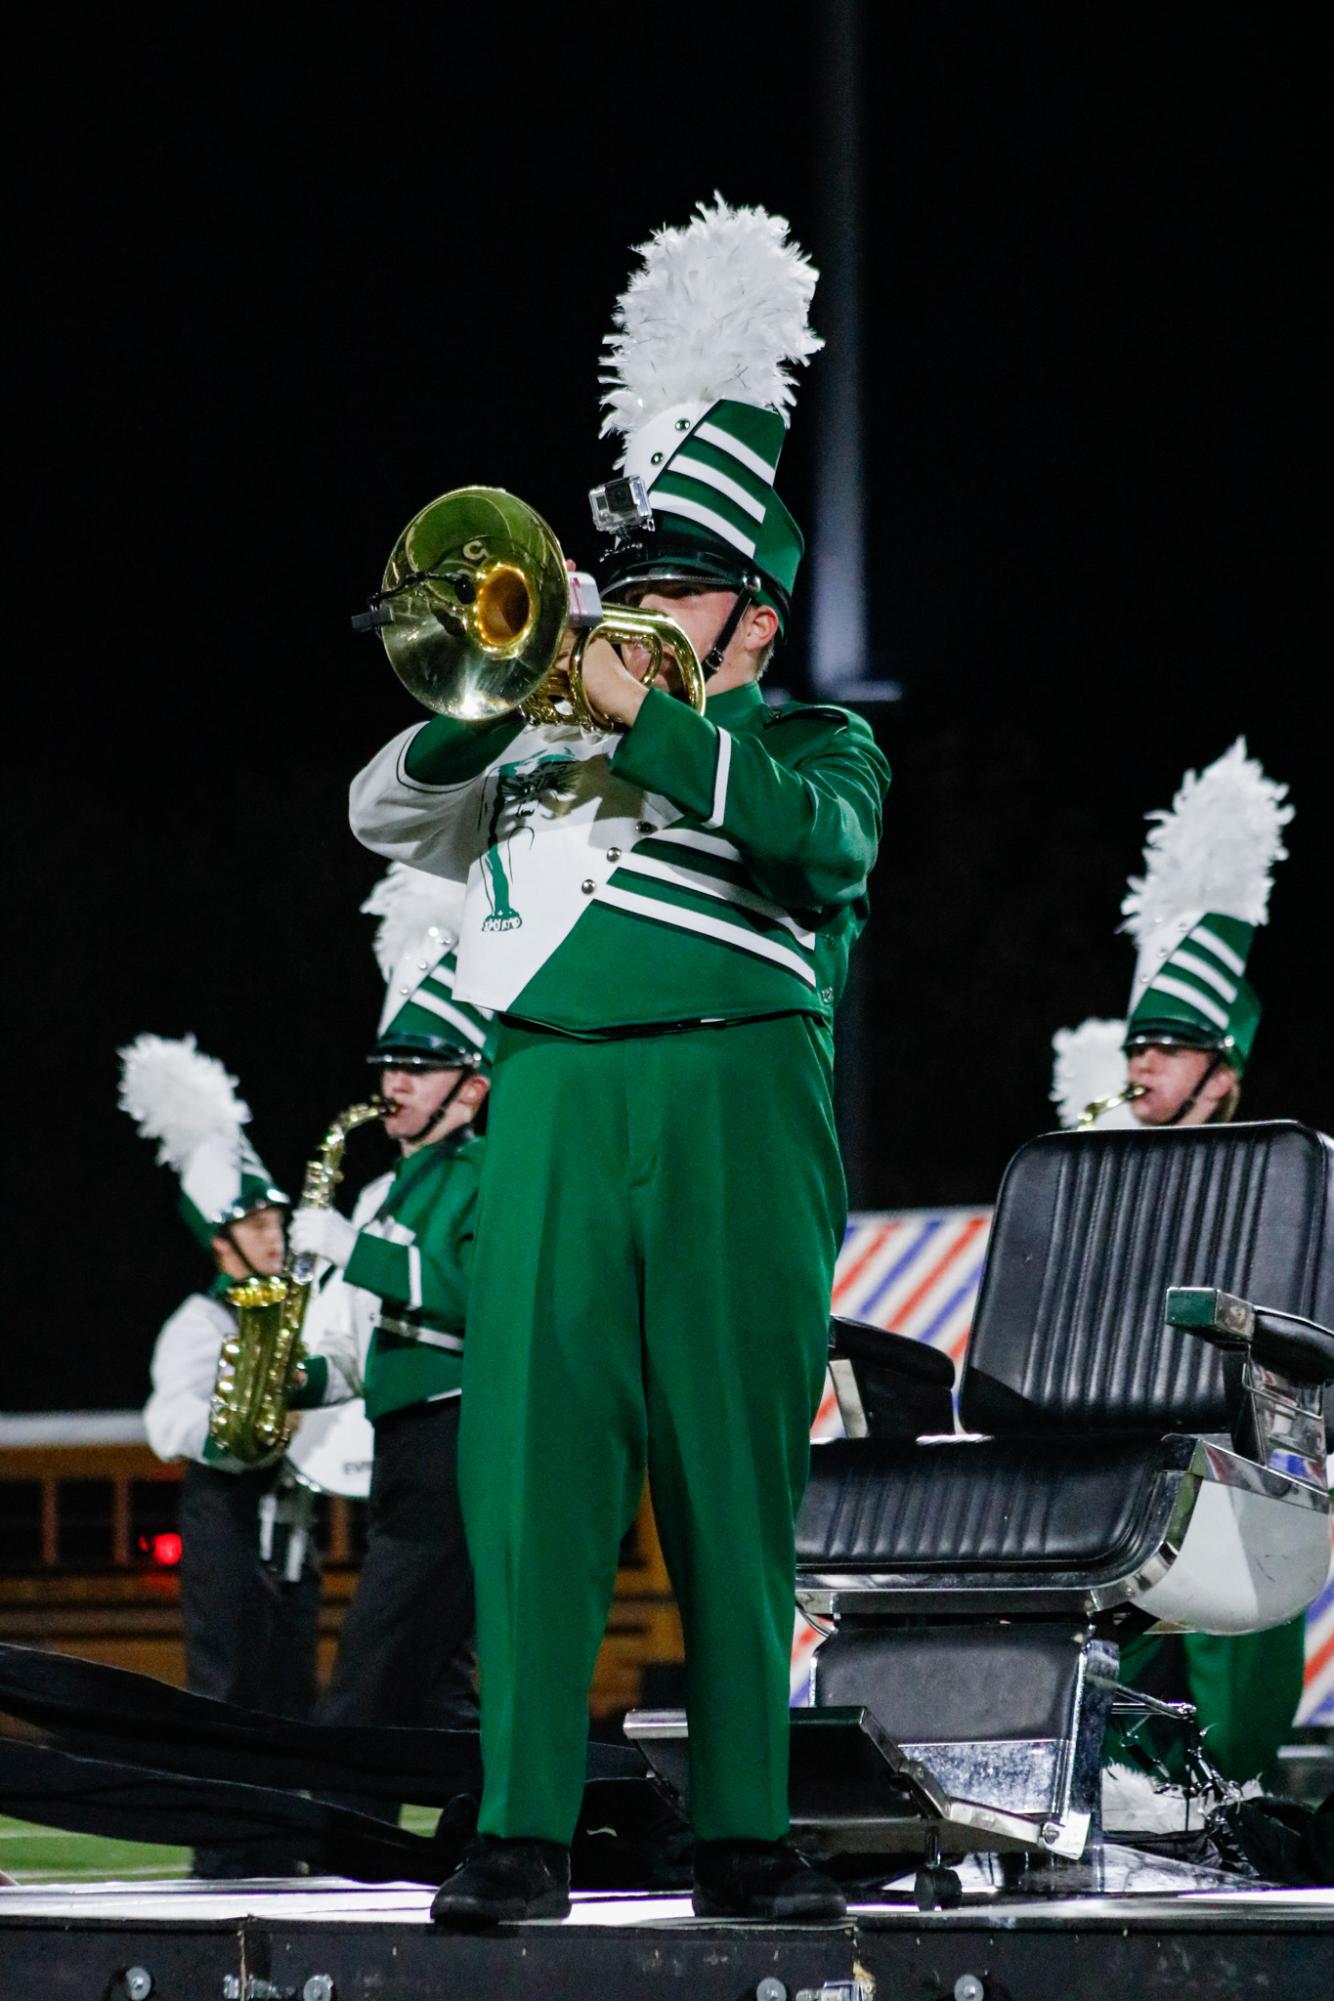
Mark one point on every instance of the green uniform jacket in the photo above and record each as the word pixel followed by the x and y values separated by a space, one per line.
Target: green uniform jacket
pixel 416 1257
pixel 695 869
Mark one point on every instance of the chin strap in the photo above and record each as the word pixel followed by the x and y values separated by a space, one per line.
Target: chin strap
pixel 713 659
pixel 1189 1104
pixel 418 1138
pixel 228 1231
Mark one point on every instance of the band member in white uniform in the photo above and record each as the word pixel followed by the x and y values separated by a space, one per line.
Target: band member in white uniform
pixel 249 1576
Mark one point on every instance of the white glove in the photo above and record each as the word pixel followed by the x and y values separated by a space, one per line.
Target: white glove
pixel 322 1233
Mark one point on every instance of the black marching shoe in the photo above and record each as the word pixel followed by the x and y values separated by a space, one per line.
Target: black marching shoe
pixel 502 1881
pixel 762 1879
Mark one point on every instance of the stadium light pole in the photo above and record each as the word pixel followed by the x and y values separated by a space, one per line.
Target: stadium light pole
pixel 839 554
pixel 841 667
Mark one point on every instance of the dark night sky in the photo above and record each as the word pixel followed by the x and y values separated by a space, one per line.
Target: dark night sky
pixel 285 275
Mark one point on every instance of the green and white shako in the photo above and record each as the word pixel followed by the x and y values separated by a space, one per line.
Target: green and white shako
pixel 1193 914
pixel 423 1025
pixel 188 1102
pixel 698 386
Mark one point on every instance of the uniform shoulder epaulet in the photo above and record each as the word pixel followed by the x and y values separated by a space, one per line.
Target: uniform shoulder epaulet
pixel 807 712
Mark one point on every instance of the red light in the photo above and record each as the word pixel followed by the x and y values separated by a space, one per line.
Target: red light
pixel 166 1549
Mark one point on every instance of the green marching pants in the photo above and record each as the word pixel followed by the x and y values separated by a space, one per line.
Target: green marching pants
pixel 658 1223
pixel 1246 1688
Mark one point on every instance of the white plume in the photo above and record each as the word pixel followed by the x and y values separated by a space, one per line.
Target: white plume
pixel 716 309
pixel 1089 1064
pixel 1134 1802
pixel 1213 849
pixel 408 902
pixel 178 1096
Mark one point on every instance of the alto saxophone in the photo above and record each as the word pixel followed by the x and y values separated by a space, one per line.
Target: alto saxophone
pixel 248 1414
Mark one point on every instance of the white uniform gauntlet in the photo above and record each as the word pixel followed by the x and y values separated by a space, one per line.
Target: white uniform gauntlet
pixel 322 1233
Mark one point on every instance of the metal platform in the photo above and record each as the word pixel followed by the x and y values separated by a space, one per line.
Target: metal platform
pixel 1161 1931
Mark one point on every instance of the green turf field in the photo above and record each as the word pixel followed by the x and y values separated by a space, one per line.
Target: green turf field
pixel 46 1855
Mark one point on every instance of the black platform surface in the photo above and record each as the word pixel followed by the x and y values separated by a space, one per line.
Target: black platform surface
pixel 328 1940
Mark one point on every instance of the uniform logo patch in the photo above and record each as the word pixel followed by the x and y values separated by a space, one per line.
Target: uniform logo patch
pixel 545 786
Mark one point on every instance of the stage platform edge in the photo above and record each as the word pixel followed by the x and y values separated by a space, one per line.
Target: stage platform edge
pixel 332 1941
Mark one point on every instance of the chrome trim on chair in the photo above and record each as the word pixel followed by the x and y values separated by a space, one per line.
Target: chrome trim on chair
pixel 850 1407
pixel 829 1593
pixel 1020 1775
pixel 1281 1424
pixel 1224 1467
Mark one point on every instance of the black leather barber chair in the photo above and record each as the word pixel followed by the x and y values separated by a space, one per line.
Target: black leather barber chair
pixel 1143 1449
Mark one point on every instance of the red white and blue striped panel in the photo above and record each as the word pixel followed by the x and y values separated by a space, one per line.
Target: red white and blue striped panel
pixel 1317 1703
pixel 917 1271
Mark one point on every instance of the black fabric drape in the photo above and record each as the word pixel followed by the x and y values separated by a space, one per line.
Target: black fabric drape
pixel 121 1754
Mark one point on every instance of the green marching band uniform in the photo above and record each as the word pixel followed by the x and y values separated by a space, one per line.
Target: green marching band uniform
pixel 249 1577
pixel 1193 916
pixel 414 1254
pixel 662 922
pixel 405 1654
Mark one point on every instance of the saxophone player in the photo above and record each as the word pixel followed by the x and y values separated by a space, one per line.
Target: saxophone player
pixel 1179 1057
pixel 405 1655
pixel 249 1577
pixel 1182 1051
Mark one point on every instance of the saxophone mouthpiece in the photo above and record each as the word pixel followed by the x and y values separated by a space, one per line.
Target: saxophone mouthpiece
pixel 1093 1112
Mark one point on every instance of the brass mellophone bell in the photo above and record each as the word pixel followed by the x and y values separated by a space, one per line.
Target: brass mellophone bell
pixel 475 608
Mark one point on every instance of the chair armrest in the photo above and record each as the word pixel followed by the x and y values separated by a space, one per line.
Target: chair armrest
pixel 1301 1348
pixel 888 1385
pixel 899 1354
pixel 1298 1348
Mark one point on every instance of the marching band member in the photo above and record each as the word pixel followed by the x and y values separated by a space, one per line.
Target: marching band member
pixel 249 1578
pixel 1180 1056
pixel 405 1655
pixel 662 918
pixel 1193 915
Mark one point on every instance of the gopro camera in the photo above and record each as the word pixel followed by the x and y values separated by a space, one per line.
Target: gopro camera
pixel 621 507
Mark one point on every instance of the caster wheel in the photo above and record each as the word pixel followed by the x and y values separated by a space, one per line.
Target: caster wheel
pixel 937 1889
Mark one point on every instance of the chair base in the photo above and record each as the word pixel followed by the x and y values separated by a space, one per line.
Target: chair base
pixel 855 1790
